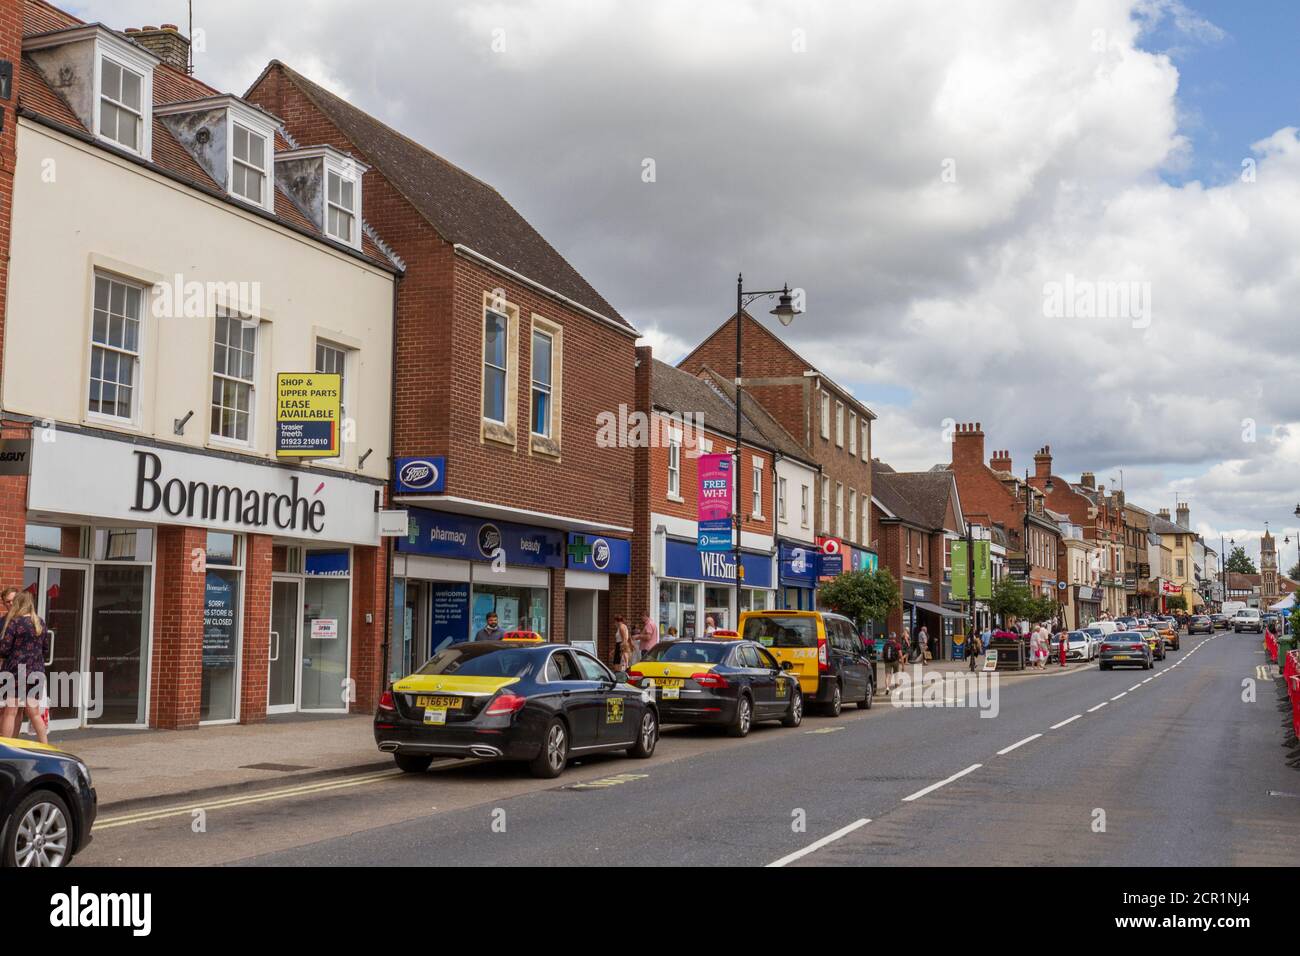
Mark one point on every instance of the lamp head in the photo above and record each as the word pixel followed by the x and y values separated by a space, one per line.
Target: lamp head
pixel 785 310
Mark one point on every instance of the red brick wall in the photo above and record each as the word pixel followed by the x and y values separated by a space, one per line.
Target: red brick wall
pixel 369 571
pixel 256 637
pixel 176 667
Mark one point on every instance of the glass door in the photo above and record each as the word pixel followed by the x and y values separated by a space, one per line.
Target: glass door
pixel 325 644
pixel 64 613
pixel 286 618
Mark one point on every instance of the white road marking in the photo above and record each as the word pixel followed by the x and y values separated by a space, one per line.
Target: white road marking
pixel 1098 707
pixel 942 783
pixel 1064 722
pixel 1119 695
pixel 1148 680
pixel 1134 687
pixel 818 844
pixel 1019 743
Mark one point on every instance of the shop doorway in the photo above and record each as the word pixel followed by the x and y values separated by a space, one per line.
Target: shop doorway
pixel 286 645
pixel 309 640
pixel 59 592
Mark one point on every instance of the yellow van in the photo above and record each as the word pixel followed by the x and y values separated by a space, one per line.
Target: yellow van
pixel 825 650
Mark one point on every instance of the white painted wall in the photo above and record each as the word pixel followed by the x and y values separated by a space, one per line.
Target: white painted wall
pixel 797 475
pixel 77 208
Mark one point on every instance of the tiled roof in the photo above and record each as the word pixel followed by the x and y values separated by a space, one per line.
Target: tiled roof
pixel 37 97
pixel 463 210
pixel 755 413
pixel 673 390
pixel 917 497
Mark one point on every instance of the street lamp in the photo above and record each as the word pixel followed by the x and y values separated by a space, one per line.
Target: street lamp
pixel 785 312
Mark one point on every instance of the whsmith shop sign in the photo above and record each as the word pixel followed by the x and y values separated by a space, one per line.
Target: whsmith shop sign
pixel 443 535
pixel 685 561
pixel 85 475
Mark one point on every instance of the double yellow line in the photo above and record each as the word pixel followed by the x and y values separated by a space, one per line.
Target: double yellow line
pixel 283 793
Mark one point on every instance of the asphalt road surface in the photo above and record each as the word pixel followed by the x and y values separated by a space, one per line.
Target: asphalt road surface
pixel 1162 767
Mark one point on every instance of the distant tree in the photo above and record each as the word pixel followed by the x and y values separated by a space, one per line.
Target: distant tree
pixel 1176 602
pixel 1294 573
pixel 1240 562
pixel 862 596
pixel 1011 598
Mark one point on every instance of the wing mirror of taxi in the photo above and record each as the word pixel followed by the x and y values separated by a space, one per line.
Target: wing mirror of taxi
pixel 620 677
pixel 787 665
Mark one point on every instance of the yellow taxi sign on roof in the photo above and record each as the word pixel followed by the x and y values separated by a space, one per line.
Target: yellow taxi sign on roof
pixel 528 637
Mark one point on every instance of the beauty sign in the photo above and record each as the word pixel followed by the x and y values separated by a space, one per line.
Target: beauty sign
pixel 714 509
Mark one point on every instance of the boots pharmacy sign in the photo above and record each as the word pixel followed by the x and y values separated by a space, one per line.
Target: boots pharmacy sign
pixel 114 480
pixel 307 414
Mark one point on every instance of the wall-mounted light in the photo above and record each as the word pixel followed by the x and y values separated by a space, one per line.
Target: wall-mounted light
pixel 178 424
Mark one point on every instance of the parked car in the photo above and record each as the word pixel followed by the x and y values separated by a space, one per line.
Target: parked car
pixel 724 682
pixel 519 700
pixel 1106 627
pixel 1126 649
pixel 825 650
pixel 1080 646
pixel 1248 619
pixel 47 804
pixel 1200 624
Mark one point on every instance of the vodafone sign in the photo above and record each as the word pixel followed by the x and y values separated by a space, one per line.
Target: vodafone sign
pixel 832 562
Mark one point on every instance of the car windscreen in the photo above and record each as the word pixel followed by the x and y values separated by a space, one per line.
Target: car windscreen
pixel 778 631
pixel 1126 637
pixel 481 660
pixel 689 652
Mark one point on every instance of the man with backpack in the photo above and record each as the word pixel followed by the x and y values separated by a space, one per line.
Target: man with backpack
pixel 892 653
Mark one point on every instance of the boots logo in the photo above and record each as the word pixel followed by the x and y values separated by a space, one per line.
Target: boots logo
pixel 489 540
pixel 600 553
pixel 419 475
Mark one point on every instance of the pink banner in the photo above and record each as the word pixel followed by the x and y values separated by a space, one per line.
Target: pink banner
pixel 715 487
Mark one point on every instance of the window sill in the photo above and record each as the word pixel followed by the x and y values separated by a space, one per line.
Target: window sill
pixel 498 433
pixel 677 499
pixel 541 445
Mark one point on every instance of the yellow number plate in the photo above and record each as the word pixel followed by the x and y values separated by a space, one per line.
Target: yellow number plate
pixel 435 716
pixel 440 703
pixel 666 682
pixel 1121 657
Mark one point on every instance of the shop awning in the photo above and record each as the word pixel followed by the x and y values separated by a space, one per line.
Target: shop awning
pixel 936 609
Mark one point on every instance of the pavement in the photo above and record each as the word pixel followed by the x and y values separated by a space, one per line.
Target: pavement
pixel 1171 766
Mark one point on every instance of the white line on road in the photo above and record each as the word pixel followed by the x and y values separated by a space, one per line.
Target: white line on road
pixel 1123 693
pixel 1064 722
pixel 1098 707
pixel 1148 680
pixel 942 783
pixel 1134 687
pixel 818 844
pixel 1019 743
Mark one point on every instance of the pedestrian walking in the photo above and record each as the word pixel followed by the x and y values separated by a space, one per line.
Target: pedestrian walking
pixel 24 642
pixel 646 638
pixel 892 653
pixel 976 649
pixel 491 630
pixel 923 642
pixel 621 657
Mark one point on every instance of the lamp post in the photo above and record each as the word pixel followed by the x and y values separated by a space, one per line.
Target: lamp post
pixel 785 311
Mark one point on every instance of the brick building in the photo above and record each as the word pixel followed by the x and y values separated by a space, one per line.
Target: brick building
pixel 187 572
pixel 507 363
pixel 832 427
pixel 993 496
pixel 915 517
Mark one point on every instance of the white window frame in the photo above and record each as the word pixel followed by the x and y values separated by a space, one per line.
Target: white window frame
pixel 490 429
pixel 266 170
pixel 839 424
pixel 826 505
pixel 137 356
pixel 852 525
pixel 353 238
pixel 216 437
pixel 839 509
pixel 853 433
pixel 347 411
pixel 826 416
pixel 549 443
pixel 780 499
pixel 675 466
pixel 535 386
pixel 866 439
pixel 756 478
pixel 803 504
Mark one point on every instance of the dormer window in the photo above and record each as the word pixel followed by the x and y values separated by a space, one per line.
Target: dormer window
pixel 248 165
pixel 232 140
pixel 326 185
pixel 341 214
pixel 105 78
pixel 121 109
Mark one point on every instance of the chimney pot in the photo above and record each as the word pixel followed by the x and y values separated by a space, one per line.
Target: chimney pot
pixel 168 44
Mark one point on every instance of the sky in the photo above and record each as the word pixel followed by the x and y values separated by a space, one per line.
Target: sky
pixel 1073 222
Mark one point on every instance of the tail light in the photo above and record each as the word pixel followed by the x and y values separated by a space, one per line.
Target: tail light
pixel 386 701
pixel 504 704
pixel 709 679
pixel 634 676
pixel 823 659
pixel 1107 647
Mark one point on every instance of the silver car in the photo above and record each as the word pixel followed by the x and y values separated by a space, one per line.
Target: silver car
pixel 1126 649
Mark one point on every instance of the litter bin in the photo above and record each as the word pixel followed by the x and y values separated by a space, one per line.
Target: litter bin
pixel 1285 644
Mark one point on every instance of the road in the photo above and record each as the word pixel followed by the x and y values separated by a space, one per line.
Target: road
pixel 1168 767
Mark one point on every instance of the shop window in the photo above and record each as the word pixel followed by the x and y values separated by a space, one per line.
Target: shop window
pixel 123 544
pixel 677 610
pixel 221 628
pixel 516 608
pixel 53 541
pixel 119 637
pixel 115 348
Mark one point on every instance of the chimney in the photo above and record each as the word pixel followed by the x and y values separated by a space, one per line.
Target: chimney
pixel 1001 461
pixel 1163 513
pixel 1119 498
pixel 1043 462
pixel 1184 516
pixel 165 42
pixel 967 446
pixel 1088 480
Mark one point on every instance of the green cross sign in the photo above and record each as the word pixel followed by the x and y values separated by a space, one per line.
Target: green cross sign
pixel 579 550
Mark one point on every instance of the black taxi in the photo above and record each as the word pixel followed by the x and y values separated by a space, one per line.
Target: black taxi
pixel 518 698
pixel 719 680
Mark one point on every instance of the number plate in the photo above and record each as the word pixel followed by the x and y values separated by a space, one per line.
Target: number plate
pixel 1121 657
pixel 669 682
pixel 438 703
pixel 435 717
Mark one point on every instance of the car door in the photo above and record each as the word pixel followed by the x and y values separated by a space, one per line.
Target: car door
pixel 760 678
pixel 620 706
pixel 580 700
pixel 852 671
pixel 782 683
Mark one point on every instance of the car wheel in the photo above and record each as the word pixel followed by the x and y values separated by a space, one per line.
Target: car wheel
pixel 865 703
pixel 1105 666
pixel 413 763
pixel 794 715
pixel 554 753
pixel 744 719
pixel 647 738
pixel 837 701
pixel 39 833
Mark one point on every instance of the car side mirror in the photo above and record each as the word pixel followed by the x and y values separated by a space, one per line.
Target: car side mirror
pixel 787 665
pixel 620 677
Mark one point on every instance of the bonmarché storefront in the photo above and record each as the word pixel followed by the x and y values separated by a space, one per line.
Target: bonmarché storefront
pixel 184 587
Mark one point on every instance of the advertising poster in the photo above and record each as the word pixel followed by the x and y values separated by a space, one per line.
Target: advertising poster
pixel 713 511
pixel 219 620
pixel 307 414
pixel 449 614
pixel 983 571
pixel 960 578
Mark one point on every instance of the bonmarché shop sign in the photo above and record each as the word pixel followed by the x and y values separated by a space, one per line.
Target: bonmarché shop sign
pixel 82 474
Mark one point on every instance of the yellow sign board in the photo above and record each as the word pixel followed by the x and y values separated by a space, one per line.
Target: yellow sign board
pixel 307 408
